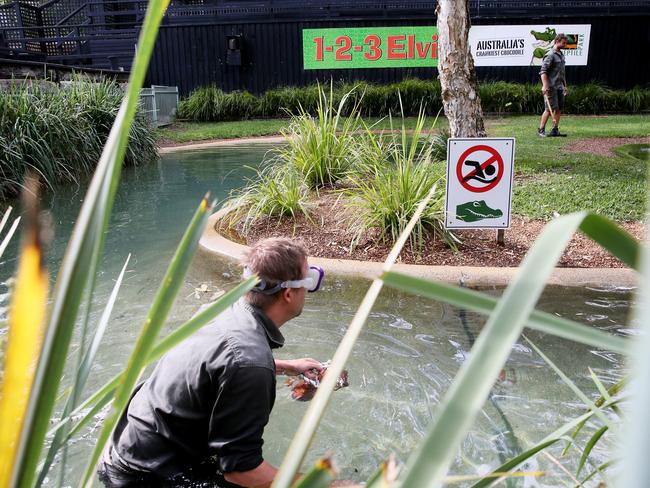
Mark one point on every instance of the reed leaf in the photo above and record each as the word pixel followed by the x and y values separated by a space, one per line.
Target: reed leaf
pixel 589 447
pixel 599 469
pixel 599 385
pixel 472 477
pixel 10 232
pixel 541 445
pixel 567 381
pixel 24 339
pixel 485 304
pixel 428 464
pixel 82 374
pixel 637 435
pixel 605 396
pixel 105 394
pixel 80 255
pixel 611 391
pixel 156 317
pixel 320 476
pixel 304 435
pixel 504 469
pixel 385 475
pixel 5 217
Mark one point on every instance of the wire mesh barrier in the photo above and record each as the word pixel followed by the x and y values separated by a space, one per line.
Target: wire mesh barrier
pixel 160 104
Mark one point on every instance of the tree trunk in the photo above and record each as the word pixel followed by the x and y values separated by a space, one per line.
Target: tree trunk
pixel 460 96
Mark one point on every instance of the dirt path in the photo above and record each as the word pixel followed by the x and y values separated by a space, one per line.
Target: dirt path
pixel 603 146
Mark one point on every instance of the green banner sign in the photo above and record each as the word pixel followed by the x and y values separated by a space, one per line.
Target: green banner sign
pixel 370 47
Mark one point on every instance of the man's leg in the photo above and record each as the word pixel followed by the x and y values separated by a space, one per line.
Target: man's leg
pixel 558 101
pixel 555 101
pixel 542 123
pixel 114 475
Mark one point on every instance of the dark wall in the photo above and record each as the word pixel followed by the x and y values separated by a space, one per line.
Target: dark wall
pixel 194 56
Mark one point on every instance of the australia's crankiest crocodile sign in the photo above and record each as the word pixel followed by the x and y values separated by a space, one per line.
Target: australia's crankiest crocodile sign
pixel 479 183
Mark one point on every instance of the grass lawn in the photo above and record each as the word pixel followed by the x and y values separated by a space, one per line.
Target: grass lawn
pixel 547 179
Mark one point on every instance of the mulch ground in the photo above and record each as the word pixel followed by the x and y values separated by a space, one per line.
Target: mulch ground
pixel 602 146
pixel 328 233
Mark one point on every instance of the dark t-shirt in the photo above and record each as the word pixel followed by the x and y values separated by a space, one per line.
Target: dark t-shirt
pixel 210 395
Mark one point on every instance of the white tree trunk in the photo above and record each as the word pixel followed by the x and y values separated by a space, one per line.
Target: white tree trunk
pixel 460 97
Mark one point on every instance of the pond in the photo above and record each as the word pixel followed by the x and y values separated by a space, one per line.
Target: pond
pixel 403 363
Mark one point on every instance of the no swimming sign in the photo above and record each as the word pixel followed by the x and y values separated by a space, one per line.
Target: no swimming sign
pixel 479 183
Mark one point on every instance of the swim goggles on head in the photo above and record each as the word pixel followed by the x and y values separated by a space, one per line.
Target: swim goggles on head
pixel 311 283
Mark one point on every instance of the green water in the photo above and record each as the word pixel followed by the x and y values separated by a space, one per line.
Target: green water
pixel 403 363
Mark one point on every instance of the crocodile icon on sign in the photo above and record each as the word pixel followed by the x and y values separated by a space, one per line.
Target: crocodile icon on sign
pixel 476 210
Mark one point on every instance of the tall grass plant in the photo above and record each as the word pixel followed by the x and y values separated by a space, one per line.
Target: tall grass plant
pixel 277 191
pixel 393 173
pixel 58 132
pixel 320 145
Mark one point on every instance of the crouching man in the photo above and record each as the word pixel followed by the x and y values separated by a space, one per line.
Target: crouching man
pixel 211 396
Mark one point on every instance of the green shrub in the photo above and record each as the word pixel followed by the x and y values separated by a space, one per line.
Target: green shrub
pixel 58 132
pixel 372 100
pixel 279 102
pixel 439 145
pixel 636 99
pixel 278 190
pixel 395 173
pixel 592 98
pixel 211 104
pixel 201 105
pixel 504 97
pixel 320 147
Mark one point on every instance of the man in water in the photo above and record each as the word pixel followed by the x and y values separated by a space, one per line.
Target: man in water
pixel 211 396
pixel 553 86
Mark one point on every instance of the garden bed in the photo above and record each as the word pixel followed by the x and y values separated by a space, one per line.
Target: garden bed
pixel 327 233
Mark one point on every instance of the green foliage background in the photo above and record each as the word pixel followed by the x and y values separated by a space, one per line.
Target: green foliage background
pixel 59 131
pixel 211 104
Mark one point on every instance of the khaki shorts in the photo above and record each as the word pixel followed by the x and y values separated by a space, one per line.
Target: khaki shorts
pixel 556 99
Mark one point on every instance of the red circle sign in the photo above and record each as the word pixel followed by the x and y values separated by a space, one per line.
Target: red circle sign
pixel 480 175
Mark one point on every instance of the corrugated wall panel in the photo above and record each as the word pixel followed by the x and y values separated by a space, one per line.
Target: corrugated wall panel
pixel 189 56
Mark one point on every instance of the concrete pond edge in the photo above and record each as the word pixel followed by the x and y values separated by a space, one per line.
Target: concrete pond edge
pixel 213 243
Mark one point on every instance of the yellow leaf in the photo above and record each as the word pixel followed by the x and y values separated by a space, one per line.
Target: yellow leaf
pixel 24 341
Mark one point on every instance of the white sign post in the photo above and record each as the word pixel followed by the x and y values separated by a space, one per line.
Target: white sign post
pixel 479 183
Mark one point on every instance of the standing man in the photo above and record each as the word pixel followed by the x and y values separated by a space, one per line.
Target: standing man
pixel 211 396
pixel 553 86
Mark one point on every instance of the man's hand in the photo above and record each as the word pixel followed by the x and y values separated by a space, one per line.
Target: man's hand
pixel 293 367
pixel 566 90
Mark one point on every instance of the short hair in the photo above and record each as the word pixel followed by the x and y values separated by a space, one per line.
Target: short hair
pixel 275 260
pixel 560 36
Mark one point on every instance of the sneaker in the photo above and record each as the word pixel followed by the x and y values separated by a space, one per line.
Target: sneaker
pixel 555 132
pixel 541 132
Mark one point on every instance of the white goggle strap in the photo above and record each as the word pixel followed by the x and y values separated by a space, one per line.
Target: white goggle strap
pixel 304 283
pixel 311 283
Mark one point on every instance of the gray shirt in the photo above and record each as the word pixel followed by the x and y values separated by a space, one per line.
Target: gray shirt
pixel 210 395
pixel 553 66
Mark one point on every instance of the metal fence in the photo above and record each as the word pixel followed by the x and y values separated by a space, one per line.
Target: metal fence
pixel 160 104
